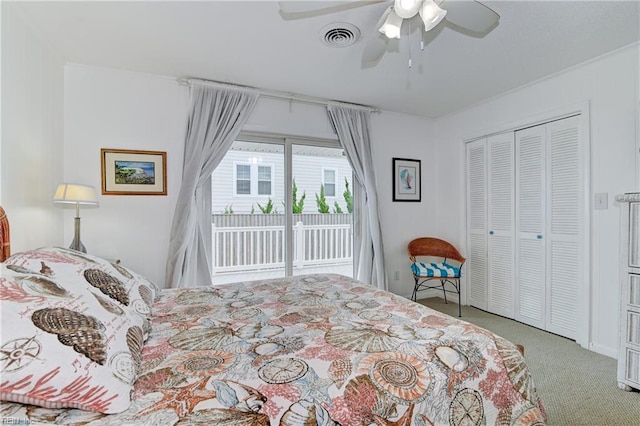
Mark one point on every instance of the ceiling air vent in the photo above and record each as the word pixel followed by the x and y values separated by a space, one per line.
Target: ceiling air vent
pixel 339 34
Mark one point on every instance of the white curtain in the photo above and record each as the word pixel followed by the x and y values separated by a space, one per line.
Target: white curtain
pixel 216 116
pixel 352 127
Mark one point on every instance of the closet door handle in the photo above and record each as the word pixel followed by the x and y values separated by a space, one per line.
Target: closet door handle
pixel 490 232
pixel 539 236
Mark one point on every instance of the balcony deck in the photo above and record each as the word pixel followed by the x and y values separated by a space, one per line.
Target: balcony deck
pixel 251 247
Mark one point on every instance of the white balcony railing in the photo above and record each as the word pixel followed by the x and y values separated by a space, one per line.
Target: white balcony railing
pixel 251 248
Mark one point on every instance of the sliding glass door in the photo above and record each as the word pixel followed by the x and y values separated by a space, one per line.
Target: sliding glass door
pixel 281 207
pixel 322 209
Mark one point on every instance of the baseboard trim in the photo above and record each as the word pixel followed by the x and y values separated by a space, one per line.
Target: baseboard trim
pixel 604 350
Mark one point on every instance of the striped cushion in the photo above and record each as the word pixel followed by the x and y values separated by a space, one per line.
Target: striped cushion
pixel 442 269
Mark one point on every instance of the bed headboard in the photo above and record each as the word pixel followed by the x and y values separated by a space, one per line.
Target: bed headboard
pixel 5 243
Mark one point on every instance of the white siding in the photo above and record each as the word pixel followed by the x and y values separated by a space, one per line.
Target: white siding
pixel 307 173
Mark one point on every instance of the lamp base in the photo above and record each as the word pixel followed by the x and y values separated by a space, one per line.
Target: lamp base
pixel 76 244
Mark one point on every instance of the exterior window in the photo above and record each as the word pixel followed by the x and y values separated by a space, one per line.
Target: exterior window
pixel 253 179
pixel 329 182
pixel 264 180
pixel 243 179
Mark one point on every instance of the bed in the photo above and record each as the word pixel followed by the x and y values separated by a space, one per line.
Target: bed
pixel 89 341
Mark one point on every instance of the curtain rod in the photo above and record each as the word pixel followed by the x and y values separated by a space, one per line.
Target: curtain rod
pixel 274 94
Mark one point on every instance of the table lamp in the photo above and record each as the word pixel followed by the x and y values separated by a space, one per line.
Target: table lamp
pixel 71 195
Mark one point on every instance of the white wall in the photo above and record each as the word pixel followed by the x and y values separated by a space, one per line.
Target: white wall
pixel 32 134
pixel 404 136
pixel 106 108
pixel 610 85
pixel 290 118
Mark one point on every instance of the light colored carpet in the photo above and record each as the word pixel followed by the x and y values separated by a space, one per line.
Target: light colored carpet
pixel 576 386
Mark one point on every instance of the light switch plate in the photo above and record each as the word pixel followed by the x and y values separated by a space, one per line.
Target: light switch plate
pixel 601 201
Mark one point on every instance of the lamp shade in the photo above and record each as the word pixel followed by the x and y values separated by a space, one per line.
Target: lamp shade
pixel 431 14
pixel 76 193
pixel 392 24
pixel 406 8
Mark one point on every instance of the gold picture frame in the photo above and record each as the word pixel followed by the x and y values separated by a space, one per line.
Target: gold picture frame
pixel 133 172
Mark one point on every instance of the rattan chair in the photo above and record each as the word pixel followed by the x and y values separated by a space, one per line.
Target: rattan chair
pixel 443 271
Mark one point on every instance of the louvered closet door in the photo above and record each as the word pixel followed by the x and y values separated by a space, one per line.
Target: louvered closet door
pixel 530 210
pixel 476 265
pixel 564 242
pixel 500 272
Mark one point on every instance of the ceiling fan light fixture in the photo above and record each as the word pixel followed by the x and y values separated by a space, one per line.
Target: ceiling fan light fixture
pixel 431 14
pixel 406 8
pixel 392 24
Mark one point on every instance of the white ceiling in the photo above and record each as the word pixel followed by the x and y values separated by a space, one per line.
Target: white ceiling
pixel 249 43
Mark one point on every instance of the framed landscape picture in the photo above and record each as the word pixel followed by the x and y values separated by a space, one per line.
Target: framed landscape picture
pixel 133 172
pixel 406 180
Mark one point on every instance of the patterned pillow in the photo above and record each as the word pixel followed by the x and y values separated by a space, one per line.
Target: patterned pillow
pixel 112 279
pixel 69 336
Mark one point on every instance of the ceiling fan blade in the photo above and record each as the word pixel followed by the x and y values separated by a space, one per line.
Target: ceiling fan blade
pixel 308 9
pixel 470 14
pixel 374 50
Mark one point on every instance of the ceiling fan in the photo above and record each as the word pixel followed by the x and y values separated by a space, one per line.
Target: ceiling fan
pixel 468 16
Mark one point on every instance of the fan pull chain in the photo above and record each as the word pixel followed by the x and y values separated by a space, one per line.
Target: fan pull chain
pixel 410 49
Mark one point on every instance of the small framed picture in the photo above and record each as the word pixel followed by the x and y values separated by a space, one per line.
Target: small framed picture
pixel 406 180
pixel 133 172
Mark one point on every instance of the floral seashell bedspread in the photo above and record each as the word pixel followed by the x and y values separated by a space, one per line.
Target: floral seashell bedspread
pixel 314 350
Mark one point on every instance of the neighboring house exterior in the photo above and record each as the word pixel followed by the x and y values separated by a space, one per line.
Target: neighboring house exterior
pixel 249 243
pixel 252 173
